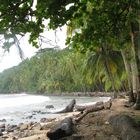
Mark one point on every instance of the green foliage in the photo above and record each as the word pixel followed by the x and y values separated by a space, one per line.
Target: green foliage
pixel 101 29
pixel 53 70
pixel 49 71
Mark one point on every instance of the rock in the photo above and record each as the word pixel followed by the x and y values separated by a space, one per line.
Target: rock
pixel 10 128
pixel 125 127
pixel 49 106
pixel 2 130
pixel 35 137
pixel 3 120
pixel 63 129
pixel 106 122
pixel 36 126
pixel 2 126
pixel 23 126
pixel 43 120
pixel 29 117
pixel 43 112
pixel 1 134
pixel 38 111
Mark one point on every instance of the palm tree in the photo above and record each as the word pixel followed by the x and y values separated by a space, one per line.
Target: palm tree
pixel 103 65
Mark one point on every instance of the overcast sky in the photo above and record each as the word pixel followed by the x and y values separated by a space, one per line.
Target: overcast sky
pixel 12 58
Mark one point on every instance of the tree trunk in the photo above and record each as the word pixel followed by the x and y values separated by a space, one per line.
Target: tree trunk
pixel 136 48
pixel 92 108
pixel 83 107
pixel 125 56
pixel 109 72
pixel 68 108
pixel 111 77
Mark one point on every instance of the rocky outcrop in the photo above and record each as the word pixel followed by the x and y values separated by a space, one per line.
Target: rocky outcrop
pixel 63 129
pixel 125 127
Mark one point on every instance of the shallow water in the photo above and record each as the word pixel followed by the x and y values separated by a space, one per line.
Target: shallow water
pixel 17 108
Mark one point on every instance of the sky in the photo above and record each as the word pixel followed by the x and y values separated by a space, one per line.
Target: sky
pixel 12 58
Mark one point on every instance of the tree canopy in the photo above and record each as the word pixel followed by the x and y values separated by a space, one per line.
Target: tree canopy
pixel 100 27
pixel 56 71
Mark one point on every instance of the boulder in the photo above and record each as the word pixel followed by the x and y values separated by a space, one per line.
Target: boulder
pixel 10 128
pixel 3 120
pixel 125 127
pixel 36 126
pixel 23 126
pixel 63 129
pixel 2 126
pixel 49 106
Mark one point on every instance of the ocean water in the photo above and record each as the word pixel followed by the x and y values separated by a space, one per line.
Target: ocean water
pixel 18 108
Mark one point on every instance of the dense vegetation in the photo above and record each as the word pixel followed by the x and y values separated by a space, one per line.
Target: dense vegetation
pixel 99 28
pixel 55 70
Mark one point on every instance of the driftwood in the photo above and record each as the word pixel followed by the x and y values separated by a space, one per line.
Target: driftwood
pixel 69 107
pixel 92 108
pixel 63 129
pixel 83 107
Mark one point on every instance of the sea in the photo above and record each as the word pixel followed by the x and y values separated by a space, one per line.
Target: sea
pixel 21 108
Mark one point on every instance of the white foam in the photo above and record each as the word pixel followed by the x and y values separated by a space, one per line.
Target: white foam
pixel 21 99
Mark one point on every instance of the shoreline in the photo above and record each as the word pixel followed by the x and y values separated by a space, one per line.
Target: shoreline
pixel 75 94
pixel 31 130
pixel 94 126
pixel 35 114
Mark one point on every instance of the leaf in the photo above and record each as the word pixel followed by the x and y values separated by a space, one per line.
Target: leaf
pixel 107 85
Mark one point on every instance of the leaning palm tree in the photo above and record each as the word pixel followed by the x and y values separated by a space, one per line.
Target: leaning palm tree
pixel 103 66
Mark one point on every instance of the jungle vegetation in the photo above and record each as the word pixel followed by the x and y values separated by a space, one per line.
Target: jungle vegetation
pixel 107 31
pixel 55 71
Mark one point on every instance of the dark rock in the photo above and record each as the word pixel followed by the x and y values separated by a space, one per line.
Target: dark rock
pixel 49 106
pixel 43 112
pixel 125 127
pixel 2 126
pixel 1 134
pixel 3 120
pixel 2 130
pixel 10 128
pixel 36 126
pixel 43 120
pixel 29 117
pixel 63 129
pixel 38 111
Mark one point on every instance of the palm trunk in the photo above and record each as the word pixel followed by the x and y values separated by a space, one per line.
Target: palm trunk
pixel 107 67
pixel 136 62
pixel 129 75
pixel 111 78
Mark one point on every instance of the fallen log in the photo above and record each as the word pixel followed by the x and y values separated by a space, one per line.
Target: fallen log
pixel 63 129
pixel 69 107
pixel 83 107
pixel 92 108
